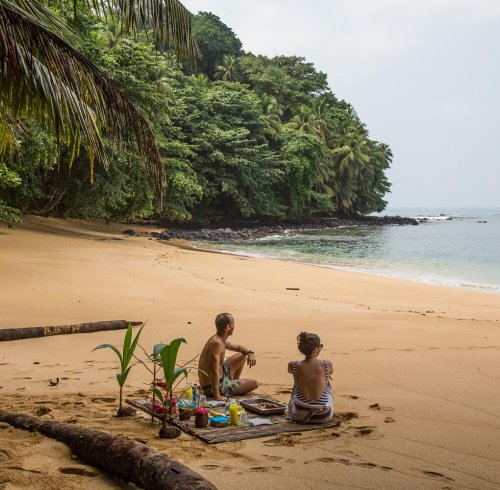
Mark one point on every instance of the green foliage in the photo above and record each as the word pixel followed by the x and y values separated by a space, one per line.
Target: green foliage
pixel 303 154
pixel 240 136
pixel 124 357
pixel 215 41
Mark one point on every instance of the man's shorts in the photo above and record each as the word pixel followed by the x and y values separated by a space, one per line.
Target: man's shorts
pixel 227 385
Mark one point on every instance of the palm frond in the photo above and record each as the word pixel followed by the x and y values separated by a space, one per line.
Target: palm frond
pixel 168 20
pixel 43 76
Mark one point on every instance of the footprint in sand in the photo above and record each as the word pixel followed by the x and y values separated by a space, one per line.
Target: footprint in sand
pixel 435 474
pixel 283 392
pixel 345 416
pixel 213 467
pixel 104 399
pixel 389 420
pixel 264 469
pixel 288 440
pixel 365 431
pixel 377 406
pixel 272 458
pixel 4 455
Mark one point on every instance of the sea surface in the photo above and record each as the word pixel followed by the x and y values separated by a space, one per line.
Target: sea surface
pixel 451 247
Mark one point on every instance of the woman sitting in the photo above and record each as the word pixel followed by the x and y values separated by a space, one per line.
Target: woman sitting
pixel 312 397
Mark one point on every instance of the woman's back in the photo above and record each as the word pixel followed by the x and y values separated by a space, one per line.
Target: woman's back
pixel 311 377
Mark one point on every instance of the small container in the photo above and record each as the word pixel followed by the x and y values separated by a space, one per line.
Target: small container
pixel 226 408
pixel 233 414
pixel 203 401
pixel 243 418
pixel 188 394
pixel 219 421
pixel 201 418
pixel 184 413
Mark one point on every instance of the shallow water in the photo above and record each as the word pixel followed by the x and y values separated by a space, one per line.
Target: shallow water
pixel 458 248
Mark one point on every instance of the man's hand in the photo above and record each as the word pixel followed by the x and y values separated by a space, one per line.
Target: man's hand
pixel 251 361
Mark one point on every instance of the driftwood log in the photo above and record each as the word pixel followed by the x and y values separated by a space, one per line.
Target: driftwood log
pixel 30 332
pixel 129 460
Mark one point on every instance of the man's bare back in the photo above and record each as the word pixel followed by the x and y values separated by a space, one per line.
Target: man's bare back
pixel 220 377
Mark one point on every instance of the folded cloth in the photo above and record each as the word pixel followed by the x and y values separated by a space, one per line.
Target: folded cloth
pixel 215 403
pixel 259 421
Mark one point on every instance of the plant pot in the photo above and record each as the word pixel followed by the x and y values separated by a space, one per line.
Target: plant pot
pixel 201 418
pixel 184 413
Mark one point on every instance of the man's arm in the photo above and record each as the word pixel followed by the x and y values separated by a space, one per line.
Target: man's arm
pixel 251 361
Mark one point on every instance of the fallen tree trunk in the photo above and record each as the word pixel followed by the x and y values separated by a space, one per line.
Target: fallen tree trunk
pixel 30 332
pixel 119 456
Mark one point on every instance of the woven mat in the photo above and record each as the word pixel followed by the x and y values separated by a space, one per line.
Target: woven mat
pixel 215 435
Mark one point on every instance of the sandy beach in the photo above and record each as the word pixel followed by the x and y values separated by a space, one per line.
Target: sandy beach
pixel 425 358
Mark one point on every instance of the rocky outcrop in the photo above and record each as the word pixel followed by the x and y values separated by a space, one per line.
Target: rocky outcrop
pixel 241 231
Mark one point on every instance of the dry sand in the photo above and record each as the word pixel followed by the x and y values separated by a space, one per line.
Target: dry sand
pixel 428 357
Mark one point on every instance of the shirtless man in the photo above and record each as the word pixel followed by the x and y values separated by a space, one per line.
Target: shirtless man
pixel 223 375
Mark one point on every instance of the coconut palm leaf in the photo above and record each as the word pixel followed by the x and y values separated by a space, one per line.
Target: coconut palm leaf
pixel 168 21
pixel 46 78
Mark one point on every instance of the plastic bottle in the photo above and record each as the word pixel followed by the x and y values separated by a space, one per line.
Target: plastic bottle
pixel 188 394
pixel 226 408
pixel 243 418
pixel 196 396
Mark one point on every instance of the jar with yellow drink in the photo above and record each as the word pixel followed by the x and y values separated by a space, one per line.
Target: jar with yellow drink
pixel 233 413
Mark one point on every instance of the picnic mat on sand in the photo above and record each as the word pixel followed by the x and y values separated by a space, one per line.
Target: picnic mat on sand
pixel 214 435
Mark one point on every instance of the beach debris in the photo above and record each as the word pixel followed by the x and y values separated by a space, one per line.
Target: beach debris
pixel 39 411
pixel 129 232
pixel 117 455
pixel 54 383
pixel 169 432
pixel 32 332
pixel 293 289
pixel 389 420
pixel 36 362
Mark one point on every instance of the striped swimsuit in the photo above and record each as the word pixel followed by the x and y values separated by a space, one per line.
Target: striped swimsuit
pixel 325 401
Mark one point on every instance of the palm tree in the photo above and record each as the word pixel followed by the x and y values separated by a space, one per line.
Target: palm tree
pixel 227 70
pixel 271 116
pixel 44 76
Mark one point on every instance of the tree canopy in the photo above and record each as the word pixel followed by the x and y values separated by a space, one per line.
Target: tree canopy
pixel 233 135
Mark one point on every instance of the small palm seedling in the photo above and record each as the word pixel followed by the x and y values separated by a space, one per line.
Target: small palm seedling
pixel 125 357
pixel 166 356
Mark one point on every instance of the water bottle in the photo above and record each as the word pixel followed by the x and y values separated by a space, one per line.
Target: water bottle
pixel 226 409
pixel 196 396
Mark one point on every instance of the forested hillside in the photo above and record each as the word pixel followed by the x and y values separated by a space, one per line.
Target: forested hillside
pixel 238 134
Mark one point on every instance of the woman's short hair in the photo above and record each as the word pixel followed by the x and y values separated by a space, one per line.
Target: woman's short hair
pixel 307 342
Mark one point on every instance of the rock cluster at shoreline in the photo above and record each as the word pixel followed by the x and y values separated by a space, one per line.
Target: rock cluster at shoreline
pixel 238 231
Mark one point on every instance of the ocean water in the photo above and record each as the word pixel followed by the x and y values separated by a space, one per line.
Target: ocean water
pixel 454 247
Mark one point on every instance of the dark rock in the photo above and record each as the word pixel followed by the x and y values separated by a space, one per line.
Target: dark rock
pixel 129 232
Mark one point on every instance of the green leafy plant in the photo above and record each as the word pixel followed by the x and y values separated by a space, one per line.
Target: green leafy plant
pixel 166 356
pixel 125 357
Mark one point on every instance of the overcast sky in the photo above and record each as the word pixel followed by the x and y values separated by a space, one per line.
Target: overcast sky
pixel 423 75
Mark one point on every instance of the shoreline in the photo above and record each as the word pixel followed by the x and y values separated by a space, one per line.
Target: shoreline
pixel 442 282
pixel 416 363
